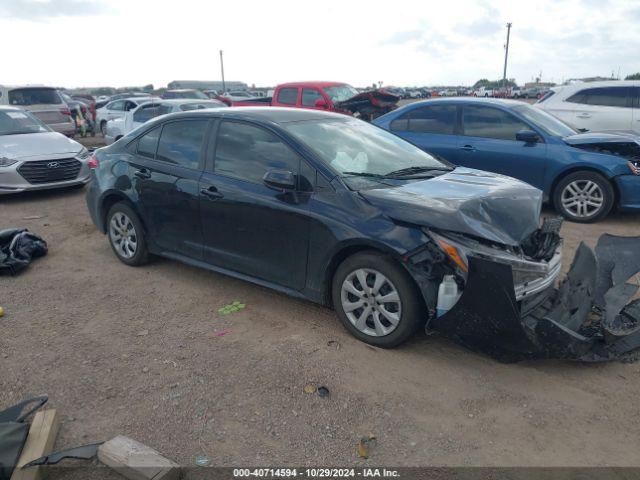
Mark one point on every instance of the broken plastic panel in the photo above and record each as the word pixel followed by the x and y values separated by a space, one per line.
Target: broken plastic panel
pixel 590 317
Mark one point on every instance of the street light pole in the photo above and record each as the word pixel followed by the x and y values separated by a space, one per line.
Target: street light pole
pixel 506 55
pixel 224 87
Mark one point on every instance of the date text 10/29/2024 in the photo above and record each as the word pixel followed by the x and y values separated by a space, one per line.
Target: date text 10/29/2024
pixel 315 472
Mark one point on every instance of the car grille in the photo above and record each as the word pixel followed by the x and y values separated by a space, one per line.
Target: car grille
pixel 47 171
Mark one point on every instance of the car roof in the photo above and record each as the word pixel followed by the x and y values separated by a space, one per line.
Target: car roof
pixel 503 102
pixel 276 115
pixel 314 84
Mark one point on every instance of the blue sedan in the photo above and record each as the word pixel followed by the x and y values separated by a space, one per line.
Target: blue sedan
pixel 584 175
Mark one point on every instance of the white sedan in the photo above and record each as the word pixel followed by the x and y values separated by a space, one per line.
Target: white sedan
pixel 119 127
pixel 596 106
pixel 117 109
pixel 34 157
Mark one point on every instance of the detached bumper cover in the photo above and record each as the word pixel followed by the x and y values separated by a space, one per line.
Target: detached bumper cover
pixel 590 317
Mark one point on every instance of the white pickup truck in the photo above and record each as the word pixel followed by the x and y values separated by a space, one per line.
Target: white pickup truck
pixel 483 92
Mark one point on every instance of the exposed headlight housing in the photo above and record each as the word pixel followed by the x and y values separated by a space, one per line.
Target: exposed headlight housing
pixel 634 166
pixel 529 276
pixel 7 162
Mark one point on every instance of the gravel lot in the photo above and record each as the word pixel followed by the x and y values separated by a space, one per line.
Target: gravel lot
pixel 139 352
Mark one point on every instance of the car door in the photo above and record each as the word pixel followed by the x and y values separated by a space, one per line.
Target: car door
pixel 248 227
pixel 433 128
pixel 312 95
pixel 115 109
pixel 602 108
pixel 488 142
pixel 287 97
pixel 166 169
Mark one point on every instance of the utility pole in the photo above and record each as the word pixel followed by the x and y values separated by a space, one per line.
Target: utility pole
pixel 224 87
pixel 506 55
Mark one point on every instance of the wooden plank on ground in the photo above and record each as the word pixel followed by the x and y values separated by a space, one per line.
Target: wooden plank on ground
pixel 40 441
pixel 137 461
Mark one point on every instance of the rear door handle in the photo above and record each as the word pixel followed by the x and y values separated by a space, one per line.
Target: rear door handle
pixel 468 148
pixel 211 192
pixel 143 173
pixel 584 115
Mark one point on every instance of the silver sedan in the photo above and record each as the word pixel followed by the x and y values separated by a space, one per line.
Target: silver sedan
pixel 34 157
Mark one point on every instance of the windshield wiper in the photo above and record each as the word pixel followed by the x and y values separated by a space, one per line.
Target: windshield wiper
pixel 364 174
pixel 415 170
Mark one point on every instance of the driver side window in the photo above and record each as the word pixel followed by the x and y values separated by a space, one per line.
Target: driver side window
pixel 489 122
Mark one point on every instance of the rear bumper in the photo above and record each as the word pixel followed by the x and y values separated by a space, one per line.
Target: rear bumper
pixel 563 323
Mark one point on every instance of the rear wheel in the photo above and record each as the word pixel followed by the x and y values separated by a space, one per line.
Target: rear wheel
pixel 126 235
pixel 584 197
pixel 103 128
pixel 376 300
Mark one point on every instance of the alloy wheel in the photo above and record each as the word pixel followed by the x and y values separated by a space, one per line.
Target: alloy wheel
pixel 371 302
pixel 582 198
pixel 123 235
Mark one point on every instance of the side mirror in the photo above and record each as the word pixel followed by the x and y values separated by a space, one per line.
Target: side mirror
pixel 321 103
pixel 527 136
pixel 280 180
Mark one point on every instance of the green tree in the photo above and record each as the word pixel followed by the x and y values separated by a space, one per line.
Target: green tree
pixel 633 76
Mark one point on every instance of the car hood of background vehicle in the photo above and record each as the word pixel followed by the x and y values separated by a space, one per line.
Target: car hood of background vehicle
pixel 483 204
pixel 34 144
pixel 601 137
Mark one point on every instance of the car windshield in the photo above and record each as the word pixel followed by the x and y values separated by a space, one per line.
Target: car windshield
pixel 34 96
pixel 353 147
pixel 340 93
pixel 15 122
pixel 546 122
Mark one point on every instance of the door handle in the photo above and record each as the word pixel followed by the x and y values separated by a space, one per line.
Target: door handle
pixel 211 192
pixel 468 148
pixel 143 173
pixel 584 115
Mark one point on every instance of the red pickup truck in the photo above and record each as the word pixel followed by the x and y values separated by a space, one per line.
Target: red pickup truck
pixel 330 96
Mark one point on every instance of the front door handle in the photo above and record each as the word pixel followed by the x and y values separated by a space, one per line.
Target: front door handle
pixel 584 115
pixel 468 148
pixel 211 192
pixel 143 173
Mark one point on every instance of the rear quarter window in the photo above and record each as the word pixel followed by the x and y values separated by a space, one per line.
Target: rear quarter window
pixel 34 96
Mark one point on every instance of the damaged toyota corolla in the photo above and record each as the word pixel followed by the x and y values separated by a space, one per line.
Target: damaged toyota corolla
pixel 340 212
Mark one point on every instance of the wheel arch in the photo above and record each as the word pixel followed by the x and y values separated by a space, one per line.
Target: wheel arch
pixel 348 249
pixel 109 200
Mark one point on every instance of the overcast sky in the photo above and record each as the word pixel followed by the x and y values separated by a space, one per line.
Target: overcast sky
pixel 76 43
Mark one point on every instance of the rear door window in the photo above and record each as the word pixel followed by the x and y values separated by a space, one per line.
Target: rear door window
pixel 488 122
pixel 181 142
pixel 437 119
pixel 118 105
pixel 34 96
pixel 288 96
pixel 147 112
pixel 604 96
pixel 247 152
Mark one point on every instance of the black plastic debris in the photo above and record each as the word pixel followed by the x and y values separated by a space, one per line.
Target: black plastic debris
pixel 591 317
pixel 18 247
pixel 323 392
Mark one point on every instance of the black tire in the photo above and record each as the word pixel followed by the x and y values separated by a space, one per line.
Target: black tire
pixel 141 255
pixel 103 127
pixel 412 312
pixel 605 188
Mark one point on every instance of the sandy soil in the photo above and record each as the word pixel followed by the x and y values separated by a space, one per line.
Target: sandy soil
pixel 138 351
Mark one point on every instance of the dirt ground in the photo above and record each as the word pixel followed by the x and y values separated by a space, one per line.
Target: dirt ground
pixel 144 352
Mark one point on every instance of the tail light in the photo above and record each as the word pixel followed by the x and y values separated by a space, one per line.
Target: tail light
pixel 65 111
pixel 93 162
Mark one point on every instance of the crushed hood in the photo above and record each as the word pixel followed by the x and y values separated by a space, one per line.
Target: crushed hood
pixel 483 204
pixel 601 137
pixel 375 103
pixel 37 144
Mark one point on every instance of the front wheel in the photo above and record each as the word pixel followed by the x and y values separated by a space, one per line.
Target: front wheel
pixel 376 300
pixel 126 235
pixel 103 128
pixel 584 197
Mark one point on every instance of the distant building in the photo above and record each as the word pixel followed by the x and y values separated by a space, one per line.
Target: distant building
pixel 207 85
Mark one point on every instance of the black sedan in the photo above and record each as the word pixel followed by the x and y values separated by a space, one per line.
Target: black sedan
pixel 337 211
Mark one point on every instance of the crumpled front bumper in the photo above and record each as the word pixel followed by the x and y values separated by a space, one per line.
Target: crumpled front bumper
pixel 590 317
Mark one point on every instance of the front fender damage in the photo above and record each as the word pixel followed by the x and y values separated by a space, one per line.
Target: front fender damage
pixel 591 317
